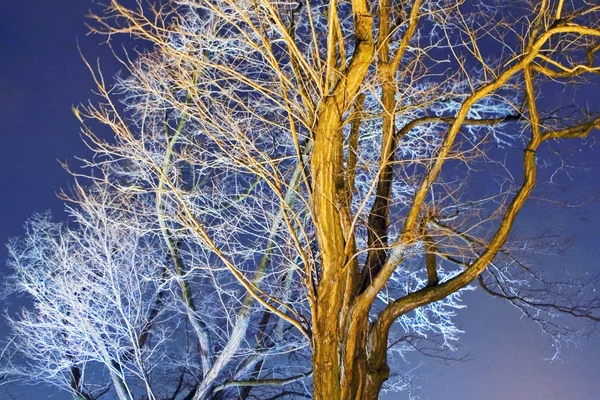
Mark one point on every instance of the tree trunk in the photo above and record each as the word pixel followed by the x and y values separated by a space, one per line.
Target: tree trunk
pixel 349 363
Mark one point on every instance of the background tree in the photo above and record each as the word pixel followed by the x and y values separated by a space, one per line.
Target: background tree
pixel 343 166
pixel 113 309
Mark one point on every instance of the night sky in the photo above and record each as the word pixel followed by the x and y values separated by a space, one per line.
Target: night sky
pixel 42 76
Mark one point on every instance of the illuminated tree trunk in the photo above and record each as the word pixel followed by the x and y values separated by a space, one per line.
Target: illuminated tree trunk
pixel 342 368
pixel 336 339
pixel 326 168
pixel 348 363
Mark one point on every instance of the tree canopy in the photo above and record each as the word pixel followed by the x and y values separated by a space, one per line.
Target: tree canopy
pixel 295 193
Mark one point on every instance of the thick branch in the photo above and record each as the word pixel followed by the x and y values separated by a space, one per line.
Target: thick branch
pixel 407 237
pixel 263 382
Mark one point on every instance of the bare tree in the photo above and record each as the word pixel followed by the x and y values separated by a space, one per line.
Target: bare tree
pixel 108 302
pixel 342 166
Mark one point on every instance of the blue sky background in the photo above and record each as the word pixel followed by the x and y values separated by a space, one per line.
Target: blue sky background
pixel 42 75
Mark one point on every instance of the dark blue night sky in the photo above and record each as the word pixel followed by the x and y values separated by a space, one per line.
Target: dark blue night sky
pixel 42 76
